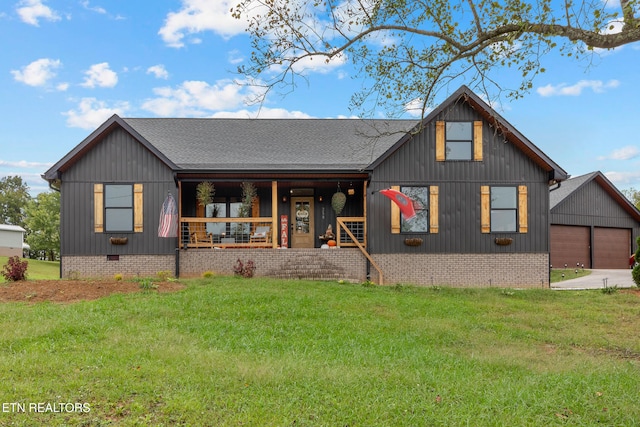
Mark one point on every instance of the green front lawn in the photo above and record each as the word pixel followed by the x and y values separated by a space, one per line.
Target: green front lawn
pixel 36 270
pixel 229 352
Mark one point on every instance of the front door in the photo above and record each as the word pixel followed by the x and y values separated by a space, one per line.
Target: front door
pixel 303 232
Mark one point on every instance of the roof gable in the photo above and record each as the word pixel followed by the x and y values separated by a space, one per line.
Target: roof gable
pixel 95 138
pixel 510 133
pixel 561 194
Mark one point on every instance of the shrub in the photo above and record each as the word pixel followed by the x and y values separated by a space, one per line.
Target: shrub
pixel 117 277
pixel 245 270
pixel 146 284
pixel 208 274
pixel 164 275
pixel 635 274
pixel 15 269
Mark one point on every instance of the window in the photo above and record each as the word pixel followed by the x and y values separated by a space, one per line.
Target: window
pixel 426 219
pixel 458 141
pixel 117 208
pixel 217 209
pixel 458 138
pixel 420 222
pixel 504 209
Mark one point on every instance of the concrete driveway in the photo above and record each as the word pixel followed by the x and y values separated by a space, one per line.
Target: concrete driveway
pixel 598 279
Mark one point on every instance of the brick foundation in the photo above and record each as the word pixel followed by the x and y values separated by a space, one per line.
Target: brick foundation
pixel 460 270
pixel 323 264
pixel 127 265
pixel 465 270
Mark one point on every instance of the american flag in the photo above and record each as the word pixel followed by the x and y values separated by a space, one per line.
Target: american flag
pixel 168 218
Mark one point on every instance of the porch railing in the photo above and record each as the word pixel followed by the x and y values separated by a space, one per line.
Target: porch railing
pixel 351 231
pixel 254 232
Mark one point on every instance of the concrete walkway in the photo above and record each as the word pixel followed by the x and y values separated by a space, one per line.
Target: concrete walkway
pixel 598 279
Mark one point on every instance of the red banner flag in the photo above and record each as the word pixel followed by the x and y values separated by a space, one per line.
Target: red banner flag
pixel 405 203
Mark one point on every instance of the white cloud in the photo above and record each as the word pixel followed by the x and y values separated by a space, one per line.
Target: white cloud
pixel 262 113
pixel 159 71
pixel 23 164
pixel 197 98
pixel 96 9
pixel 100 75
pixel 30 11
pixel 621 179
pixel 598 86
pixel 91 113
pixel 197 16
pixel 235 57
pixel 320 64
pixel 625 153
pixel 414 108
pixel 38 73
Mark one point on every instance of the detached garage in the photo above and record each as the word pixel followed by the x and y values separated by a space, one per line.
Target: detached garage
pixel 592 224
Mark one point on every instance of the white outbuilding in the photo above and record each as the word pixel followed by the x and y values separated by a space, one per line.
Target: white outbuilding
pixel 12 240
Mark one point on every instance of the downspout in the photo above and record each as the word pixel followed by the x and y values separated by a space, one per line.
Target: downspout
pixel 179 237
pixel 54 188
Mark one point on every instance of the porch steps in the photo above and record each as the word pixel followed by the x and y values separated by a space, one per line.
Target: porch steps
pixel 313 267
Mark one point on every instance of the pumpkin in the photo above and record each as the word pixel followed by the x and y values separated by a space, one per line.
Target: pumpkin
pixel 331 243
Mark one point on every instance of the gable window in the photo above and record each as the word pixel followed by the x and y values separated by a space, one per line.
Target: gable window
pixel 425 200
pixel 504 209
pixel 118 208
pixel 458 138
pixel 458 141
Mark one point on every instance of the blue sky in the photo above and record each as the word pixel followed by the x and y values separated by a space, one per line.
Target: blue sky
pixel 68 65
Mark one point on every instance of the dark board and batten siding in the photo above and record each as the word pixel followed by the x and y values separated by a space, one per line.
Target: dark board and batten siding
pixel 592 205
pixel 610 230
pixel 459 182
pixel 118 158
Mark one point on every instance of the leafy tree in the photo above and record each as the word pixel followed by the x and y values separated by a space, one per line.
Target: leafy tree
pixel 14 196
pixel 43 224
pixel 633 195
pixel 412 49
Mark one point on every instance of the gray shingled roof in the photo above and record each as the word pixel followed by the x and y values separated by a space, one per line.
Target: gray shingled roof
pixel 271 144
pixel 566 188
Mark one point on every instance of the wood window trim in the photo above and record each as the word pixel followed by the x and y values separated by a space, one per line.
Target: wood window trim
pixel 477 141
pixel 98 208
pixel 485 209
pixel 433 211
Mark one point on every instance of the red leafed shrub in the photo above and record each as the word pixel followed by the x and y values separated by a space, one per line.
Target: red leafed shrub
pixel 15 269
pixel 244 270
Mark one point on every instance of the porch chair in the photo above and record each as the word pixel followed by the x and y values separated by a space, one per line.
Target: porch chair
pixel 198 235
pixel 262 234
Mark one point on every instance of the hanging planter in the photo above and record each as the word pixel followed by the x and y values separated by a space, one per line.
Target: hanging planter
pixel 338 201
pixel 205 192
pixel 503 241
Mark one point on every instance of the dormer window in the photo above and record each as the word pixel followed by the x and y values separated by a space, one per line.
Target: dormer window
pixel 458 141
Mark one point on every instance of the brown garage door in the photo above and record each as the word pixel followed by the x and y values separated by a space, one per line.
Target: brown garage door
pixel 611 247
pixel 570 245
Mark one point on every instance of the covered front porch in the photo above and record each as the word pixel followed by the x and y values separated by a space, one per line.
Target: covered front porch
pixel 282 213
